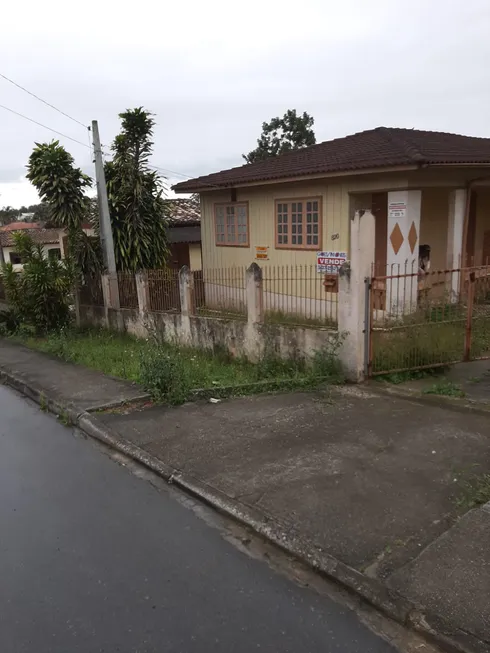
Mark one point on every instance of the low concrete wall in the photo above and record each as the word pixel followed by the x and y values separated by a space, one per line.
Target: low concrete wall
pixel 239 337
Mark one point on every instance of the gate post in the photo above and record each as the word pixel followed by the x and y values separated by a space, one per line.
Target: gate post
pixel 469 316
pixel 352 294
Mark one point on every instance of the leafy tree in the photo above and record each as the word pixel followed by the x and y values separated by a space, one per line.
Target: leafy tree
pixel 62 187
pixel 8 214
pixel 137 208
pixel 40 295
pixel 280 135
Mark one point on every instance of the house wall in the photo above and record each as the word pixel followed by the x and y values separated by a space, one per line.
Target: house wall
pixel 195 256
pixel 482 225
pixel 46 248
pixel 336 209
pixel 434 224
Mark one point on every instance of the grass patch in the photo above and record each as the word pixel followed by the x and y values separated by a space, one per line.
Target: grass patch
pixel 170 373
pixel 445 388
pixel 410 375
pixel 475 492
pixel 296 319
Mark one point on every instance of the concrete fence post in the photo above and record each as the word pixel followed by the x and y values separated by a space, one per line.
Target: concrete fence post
pixel 186 288
pixel 255 294
pixel 110 290
pixel 352 297
pixel 143 292
pixel 76 301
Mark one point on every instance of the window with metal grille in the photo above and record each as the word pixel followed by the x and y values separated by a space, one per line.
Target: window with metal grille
pixel 231 224
pixel 298 223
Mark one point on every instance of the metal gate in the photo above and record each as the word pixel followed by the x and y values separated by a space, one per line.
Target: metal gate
pixel 416 321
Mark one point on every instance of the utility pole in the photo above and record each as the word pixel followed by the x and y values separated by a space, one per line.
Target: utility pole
pixel 109 281
pixel 106 239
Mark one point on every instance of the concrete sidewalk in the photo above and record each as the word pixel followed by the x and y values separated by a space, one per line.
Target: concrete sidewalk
pixel 64 383
pixel 368 484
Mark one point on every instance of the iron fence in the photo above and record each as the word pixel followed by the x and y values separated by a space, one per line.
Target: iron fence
pixel 128 295
pixel 163 290
pixel 297 294
pixel 221 291
pixel 427 319
pixel 91 293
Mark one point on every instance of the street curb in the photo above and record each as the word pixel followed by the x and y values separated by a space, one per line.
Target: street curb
pixel 439 401
pixel 371 590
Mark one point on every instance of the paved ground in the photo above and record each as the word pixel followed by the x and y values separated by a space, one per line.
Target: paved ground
pixel 472 378
pixel 364 477
pixel 62 381
pixel 94 559
pixel 370 479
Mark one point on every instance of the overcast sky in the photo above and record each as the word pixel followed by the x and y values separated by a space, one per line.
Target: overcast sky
pixel 213 71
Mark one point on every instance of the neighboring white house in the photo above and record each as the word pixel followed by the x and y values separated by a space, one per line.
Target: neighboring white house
pixel 50 239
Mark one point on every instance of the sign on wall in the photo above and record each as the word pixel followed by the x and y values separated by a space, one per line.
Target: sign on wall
pixel 330 262
pixel 397 209
pixel 261 253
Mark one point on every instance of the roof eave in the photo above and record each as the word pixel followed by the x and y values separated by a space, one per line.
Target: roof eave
pixel 281 180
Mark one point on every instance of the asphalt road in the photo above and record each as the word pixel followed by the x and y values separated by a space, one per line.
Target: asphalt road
pixel 93 559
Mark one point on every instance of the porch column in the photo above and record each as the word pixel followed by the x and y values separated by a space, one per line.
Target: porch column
pixel 455 222
pixel 403 250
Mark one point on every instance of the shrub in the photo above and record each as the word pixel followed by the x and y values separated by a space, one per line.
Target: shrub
pixel 326 362
pixel 39 295
pixel 163 374
pixel 9 322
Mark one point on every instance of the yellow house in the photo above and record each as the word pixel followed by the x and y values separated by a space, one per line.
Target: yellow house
pixel 424 188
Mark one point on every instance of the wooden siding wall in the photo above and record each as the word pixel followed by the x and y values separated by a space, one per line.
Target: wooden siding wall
pixel 337 208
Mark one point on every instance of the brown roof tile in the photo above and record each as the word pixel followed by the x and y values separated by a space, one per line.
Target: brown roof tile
pixel 39 236
pixel 184 212
pixel 20 226
pixel 382 147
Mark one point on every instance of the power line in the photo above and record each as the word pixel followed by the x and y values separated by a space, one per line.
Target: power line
pixel 21 115
pixel 173 172
pixel 43 101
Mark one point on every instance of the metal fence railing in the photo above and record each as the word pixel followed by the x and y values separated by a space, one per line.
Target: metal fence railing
pixel 296 294
pixel 221 291
pixel 163 290
pixel 289 294
pixel 427 319
pixel 90 292
pixel 128 295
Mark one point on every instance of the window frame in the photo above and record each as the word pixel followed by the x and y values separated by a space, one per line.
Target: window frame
pixel 289 201
pixel 235 243
pixel 58 255
pixel 15 255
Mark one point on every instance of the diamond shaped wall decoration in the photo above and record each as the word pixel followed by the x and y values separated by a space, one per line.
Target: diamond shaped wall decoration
pixel 412 236
pixel 396 238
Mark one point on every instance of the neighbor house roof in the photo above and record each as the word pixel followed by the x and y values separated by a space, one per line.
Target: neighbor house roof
pixel 383 147
pixel 18 226
pixel 184 212
pixel 39 236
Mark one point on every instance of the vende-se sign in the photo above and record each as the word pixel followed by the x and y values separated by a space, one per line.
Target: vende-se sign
pixel 330 262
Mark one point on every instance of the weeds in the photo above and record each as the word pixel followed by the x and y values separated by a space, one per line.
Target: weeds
pixel 475 492
pixel 445 388
pixel 64 418
pixel 170 373
pixel 43 403
pixel 280 317
pixel 164 375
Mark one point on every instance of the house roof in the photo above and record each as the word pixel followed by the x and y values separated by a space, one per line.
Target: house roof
pixel 39 236
pixel 18 226
pixel 382 147
pixel 184 212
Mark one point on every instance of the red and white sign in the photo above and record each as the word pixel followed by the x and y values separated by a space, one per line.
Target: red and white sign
pixel 330 262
